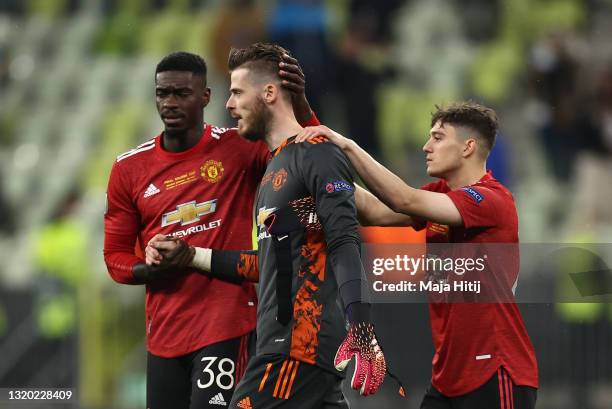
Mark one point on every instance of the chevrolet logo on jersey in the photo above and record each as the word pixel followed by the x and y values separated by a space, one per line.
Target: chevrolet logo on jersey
pixel 263 215
pixel 188 213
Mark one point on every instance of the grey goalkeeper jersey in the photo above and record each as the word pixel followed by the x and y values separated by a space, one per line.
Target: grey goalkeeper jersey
pixel 308 252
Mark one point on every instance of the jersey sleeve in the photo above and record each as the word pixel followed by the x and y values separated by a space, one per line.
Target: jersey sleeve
pixel 121 224
pixel 478 205
pixel 327 175
pixel 235 266
pixel 418 223
pixel 312 121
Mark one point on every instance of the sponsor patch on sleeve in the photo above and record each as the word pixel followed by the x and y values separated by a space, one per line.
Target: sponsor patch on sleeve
pixel 474 193
pixel 338 186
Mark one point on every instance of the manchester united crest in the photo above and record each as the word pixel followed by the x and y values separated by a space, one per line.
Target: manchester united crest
pixel 212 170
pixel 279 179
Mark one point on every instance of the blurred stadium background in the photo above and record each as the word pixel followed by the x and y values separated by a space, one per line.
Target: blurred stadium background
pixel 76 89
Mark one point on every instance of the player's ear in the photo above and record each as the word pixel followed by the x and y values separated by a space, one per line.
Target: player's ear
pixel 206 97
pixel 469 147
pixel 270 93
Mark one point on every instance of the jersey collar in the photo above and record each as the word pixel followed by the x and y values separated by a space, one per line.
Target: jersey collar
pixel 283 145
pixel 485 178
pixel 185 154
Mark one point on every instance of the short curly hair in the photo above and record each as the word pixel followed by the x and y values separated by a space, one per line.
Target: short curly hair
pixel 471 115
pixel 183 61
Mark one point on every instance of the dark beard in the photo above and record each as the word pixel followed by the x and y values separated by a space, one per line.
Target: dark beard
pixel 260 118
pixel 175 133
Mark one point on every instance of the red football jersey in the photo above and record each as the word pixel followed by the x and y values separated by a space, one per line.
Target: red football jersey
pixel 205 196
pixel 473 340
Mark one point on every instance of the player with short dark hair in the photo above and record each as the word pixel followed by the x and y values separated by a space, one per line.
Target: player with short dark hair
pixel 260 58
pixel 197 182
pixel 483 355
pixel 308 255
pixel 470 116
pixel 183 61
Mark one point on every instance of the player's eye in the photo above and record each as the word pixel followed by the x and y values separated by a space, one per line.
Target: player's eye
pixel 161 93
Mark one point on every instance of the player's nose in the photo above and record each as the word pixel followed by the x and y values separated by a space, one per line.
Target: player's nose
pixel 169 102
pixel 229 105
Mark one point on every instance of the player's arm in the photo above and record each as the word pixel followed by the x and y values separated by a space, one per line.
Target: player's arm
pixel 121 225
pixel 235 266
pixel 326 173
pixel 325 170
pixel 388 187
pixel 292 79
pixel 372 212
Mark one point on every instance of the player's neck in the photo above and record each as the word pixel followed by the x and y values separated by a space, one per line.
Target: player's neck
pixel 465 176
pixel 180 142
pixel 282 125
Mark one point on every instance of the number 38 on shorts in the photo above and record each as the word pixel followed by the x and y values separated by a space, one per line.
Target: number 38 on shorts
pixel 219 372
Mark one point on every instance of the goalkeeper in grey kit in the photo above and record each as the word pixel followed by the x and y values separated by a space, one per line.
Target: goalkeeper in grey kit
pixel 308 255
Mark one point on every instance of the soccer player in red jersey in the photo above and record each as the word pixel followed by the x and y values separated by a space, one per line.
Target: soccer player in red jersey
pixel 307 258
pixel 483 355
pixel 197 182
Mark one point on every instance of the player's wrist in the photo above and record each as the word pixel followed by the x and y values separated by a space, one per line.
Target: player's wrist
pixel 144 273
pixel 346 144
pixel 302 111
pixel 358 312
pixel 202 258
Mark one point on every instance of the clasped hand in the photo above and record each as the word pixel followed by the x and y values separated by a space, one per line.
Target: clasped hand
pixel 167 251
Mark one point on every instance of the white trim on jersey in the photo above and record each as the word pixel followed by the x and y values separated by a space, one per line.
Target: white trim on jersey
pixel 217 131
pixel 140 148
pixel 515 285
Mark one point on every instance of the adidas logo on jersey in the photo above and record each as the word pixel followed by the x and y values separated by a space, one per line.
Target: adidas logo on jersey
pixel 245 403
pixel 217 400
pixel 151 190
